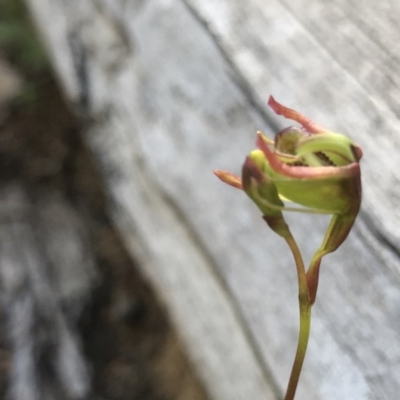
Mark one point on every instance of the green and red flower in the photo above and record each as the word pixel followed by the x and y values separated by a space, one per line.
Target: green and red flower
pixel 307 165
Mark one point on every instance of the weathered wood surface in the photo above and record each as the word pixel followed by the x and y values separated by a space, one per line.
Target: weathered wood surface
pixel 176 88
pixel 44 288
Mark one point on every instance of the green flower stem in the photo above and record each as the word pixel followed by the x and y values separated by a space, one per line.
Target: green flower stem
pixel 305 305
pixel 304 334
pixel 301 273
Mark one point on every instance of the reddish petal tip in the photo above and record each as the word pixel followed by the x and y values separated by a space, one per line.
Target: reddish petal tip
pixel 228 178
pixel 289 113
pixel 274 105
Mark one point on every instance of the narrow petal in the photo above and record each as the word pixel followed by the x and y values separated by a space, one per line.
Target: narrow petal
pixel 229 179
pixel 306 122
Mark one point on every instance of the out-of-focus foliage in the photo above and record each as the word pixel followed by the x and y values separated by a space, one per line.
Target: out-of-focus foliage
pixel 18 38
pixel 20 45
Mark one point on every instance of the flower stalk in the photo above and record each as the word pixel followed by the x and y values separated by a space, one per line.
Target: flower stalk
pixel 304 334
pixel 305 305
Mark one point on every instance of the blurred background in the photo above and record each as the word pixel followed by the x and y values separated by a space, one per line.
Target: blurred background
pixel 127 270
pixel 53 197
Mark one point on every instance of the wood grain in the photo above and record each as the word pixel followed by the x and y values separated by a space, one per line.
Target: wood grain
pixel 177 88
pixel 42 307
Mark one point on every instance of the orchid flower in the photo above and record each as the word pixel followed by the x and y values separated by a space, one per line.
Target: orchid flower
pixel 307 165
pixel 316 169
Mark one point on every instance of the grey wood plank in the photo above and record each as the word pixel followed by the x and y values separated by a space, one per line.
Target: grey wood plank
pixel 182 273
pixel 177 91
pixel 295 55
